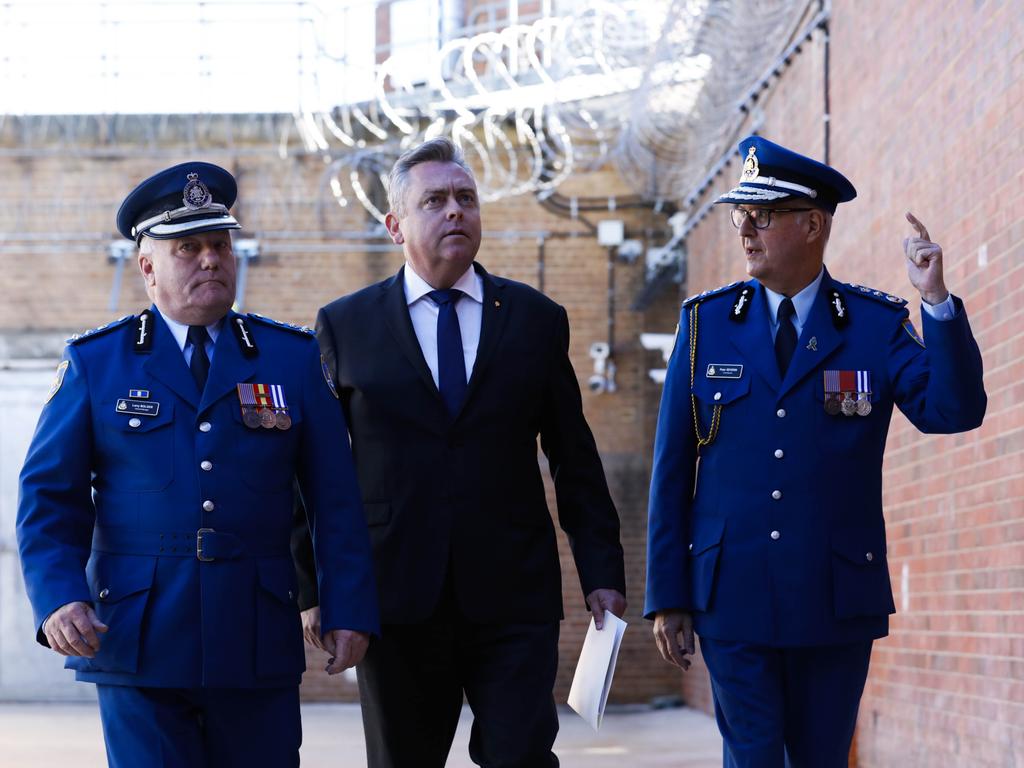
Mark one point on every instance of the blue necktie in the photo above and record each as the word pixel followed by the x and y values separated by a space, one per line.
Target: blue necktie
pixel 451 363
pixel 785 337
pixel 200 363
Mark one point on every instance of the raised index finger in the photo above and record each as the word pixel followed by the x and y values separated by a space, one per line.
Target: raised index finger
pixel 922 232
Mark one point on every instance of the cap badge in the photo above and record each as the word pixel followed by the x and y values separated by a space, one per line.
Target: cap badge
pixel 196 194
pixel 751 169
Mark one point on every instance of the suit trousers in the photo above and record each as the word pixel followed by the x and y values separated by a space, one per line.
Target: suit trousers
pixel 786 707
pixel 411 686
pixel 200 727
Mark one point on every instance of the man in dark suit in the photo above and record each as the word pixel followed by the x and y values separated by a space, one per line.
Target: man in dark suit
pixel 156 503
pixel 766 531
pixel 447 375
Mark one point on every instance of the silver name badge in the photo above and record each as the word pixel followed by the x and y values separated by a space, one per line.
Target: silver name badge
pixel 138 407
pixel 724 371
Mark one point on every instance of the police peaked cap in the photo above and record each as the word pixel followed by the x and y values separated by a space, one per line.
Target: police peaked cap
pixel 771 172
pixel 186 199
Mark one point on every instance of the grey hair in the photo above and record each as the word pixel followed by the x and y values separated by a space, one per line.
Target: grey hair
pixel 442 150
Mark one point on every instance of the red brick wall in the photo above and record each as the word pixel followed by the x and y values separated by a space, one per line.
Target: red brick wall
pixel 927 109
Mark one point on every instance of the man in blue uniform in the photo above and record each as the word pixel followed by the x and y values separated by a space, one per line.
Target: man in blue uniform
pixel 781 389
pixel 156 498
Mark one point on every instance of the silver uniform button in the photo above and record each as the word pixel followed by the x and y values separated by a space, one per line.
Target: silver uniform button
pixel 134 422
pixel 104 593
pixel 691 546
pixel 208 505
pixel 776 495
pixel 207 465
pixel 869 557
pixel 718 395
pixel 775 535
pixel 778 453
pixel 781 413
pixel 205 426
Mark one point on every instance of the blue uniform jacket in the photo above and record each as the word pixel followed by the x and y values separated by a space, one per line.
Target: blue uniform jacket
pixel 778 538
pixel 112 500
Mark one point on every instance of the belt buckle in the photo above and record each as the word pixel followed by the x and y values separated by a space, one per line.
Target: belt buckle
pixel 199 545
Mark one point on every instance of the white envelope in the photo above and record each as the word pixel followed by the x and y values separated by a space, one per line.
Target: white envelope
pixel 596 668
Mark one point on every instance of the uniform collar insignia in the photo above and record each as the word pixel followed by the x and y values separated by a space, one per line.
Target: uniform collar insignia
pixel 741 306
pixel 837 307
pixel 142 341
pixel 243 334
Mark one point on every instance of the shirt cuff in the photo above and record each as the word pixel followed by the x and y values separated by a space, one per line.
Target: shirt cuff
pixel 942 311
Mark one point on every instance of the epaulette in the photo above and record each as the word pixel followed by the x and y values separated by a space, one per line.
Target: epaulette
pixel 304 330
pixel 885 298
pixel 712 292
pixel 94 332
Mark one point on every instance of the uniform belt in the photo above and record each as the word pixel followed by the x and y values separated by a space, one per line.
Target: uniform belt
pixel 205 544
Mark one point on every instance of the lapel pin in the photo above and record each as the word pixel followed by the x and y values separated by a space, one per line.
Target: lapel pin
pixel 813 344
pixel 497 303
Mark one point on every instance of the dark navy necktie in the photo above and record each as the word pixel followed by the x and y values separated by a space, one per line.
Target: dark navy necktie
pixel 200 363
pixel 451 363
pixel 785 337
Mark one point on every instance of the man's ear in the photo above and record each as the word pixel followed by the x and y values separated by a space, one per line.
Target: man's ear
pixel 394 228
pixel 146 267
pixel 816 225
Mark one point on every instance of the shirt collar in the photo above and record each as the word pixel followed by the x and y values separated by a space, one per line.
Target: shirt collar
pixel 180 331
pixel 802 302
pixel 416 287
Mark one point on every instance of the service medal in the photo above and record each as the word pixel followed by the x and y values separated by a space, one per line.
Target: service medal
pixel 863 404
pixel 247 401
pixel 267 419
pixel 863 393
pixel 832 404
pixel 848 406
pixel 251 418
pixel 281 418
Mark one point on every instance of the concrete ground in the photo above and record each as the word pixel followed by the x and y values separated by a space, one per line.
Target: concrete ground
pixel 62 735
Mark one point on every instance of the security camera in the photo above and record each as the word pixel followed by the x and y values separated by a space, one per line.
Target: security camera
pixel 603 379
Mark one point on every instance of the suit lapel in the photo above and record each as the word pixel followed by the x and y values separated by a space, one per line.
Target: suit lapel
pixel 492 322
pixel 228 366
pixel 166 363
pixel 827 339
pixel 753 338
pixel 396 317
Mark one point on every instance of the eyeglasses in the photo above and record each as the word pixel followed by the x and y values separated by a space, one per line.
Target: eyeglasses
pixel 761 218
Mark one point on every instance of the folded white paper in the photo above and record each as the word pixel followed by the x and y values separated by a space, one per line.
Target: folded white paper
pixel 596 668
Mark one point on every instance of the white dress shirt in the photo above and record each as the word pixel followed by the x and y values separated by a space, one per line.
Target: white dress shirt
pixel 423 312
pixel 803 301
pixel 180 333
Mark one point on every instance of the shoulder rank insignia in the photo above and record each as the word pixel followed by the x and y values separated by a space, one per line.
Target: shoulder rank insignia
pixel 908 326
pixel 741 306
pixel 94 332
pixel 243 336
pixel 330 381
pixel 304 330
pixel 712 292
pixel 885 298
pixel 58 379
pixel 143 340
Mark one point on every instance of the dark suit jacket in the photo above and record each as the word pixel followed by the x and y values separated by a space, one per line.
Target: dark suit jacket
pixel 466 495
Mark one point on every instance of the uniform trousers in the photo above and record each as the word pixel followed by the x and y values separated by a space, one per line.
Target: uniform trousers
pixel 200 727
pixel 786 707
pixel 411 686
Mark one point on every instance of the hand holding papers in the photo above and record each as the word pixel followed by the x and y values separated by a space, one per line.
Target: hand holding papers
pixel 596 668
